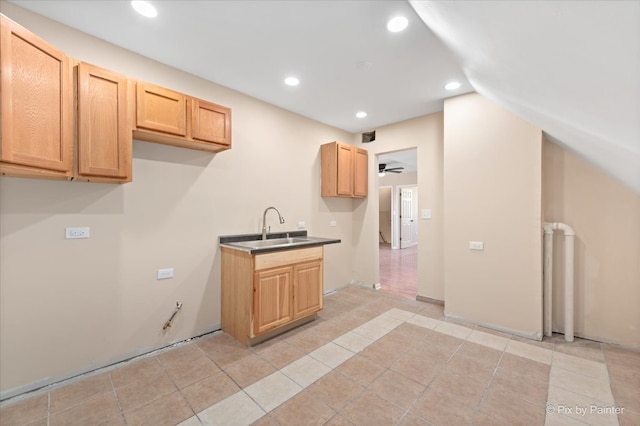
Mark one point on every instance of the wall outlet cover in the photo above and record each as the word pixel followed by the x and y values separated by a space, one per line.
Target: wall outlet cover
pixel 163 274
pixel 71 233
pixel 476 245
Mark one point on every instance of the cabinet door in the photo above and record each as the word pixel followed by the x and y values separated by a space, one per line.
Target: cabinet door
pixel 271 299
pixel 307 289
pixel 161 109
pixel 360 175
pixel 104 130
pixel 210 122
pixel 345 170
pixel 37 102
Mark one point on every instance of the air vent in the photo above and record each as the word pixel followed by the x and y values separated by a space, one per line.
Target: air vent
pixel 368 137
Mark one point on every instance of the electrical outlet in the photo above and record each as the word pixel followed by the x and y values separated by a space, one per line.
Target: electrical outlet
pixel 73 233
pixel 301 225
pixel 333 223
pixel 164 274
pixel 476 245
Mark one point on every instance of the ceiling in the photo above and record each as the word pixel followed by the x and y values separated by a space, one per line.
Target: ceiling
pixel 570 68
pixel 342 53
pixel 407 158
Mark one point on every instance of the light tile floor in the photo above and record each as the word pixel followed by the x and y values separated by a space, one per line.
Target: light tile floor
pixel 370 359
pixel 399 270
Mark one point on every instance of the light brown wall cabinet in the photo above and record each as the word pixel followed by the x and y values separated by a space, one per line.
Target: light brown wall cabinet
pixel 104 125
pixel 36 84
pixel 42 107
pixel 265 294
pixel 172 118
pixel 344 170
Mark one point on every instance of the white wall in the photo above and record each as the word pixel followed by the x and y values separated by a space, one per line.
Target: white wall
pixel 492 193
pixel 68 306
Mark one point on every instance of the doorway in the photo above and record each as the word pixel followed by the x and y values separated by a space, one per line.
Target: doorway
pixel 398 224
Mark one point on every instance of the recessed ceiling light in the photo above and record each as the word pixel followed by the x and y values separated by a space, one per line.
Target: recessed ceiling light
pixel 397 24
pixel 291 81
pixel 144 8
pixel 361 114
pixel 453 85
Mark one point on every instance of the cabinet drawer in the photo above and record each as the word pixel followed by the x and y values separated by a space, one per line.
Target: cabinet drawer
pixel 286 257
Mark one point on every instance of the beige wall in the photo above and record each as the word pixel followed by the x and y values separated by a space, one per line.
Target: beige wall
pixel 426 134
pixel 68 306
pixel 606 218
pixel 492 193
pixel 385 213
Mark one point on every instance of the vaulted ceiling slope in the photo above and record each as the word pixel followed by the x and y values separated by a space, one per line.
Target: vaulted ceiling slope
pixel 571 68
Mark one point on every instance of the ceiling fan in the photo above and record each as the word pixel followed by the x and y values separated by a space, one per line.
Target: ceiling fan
pixel 382 169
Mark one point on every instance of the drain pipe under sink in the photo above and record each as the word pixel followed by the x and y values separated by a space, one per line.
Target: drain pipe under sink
pixel 569 235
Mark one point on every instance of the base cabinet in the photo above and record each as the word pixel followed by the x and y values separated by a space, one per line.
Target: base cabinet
pixel 264 294
pixel 307 289
pixel 271 299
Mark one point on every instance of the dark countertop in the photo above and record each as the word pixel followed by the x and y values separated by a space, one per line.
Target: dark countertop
pixel 303 241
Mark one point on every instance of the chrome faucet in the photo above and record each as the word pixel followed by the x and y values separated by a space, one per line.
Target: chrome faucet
pixel 264 223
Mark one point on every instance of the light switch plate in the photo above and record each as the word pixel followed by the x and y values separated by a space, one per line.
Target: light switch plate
pixel 332 223
pixel 425 214
pixel 301 225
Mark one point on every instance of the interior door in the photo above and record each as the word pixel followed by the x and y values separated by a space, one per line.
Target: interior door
pixel 408 216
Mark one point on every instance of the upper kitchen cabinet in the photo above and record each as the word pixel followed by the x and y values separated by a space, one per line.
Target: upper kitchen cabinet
pixel 172 118
pixel 344 170
pixel 36 84
pixel 161 110
pixel 104 125
pixel 210 122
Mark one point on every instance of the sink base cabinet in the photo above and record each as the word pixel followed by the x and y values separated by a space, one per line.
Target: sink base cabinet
pixel 265 294
pixel 271 299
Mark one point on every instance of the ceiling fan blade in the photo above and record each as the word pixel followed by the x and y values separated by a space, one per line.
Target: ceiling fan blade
pixel 392 171
pixel 394 168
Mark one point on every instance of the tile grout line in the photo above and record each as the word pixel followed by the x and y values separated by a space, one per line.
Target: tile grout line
pixel 115 394
pixel 402 321
pixel 387 331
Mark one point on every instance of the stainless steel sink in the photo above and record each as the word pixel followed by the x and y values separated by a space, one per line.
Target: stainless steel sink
pixel 275 242
pixel 253 243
